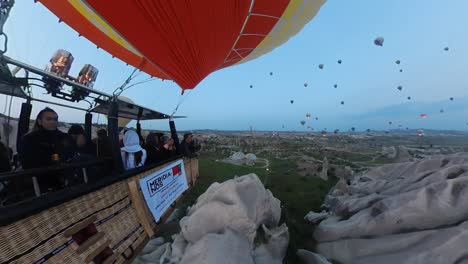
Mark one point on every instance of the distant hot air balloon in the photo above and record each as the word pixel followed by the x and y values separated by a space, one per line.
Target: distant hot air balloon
pixel 342 102
pixel 336 85
pixel 397 62
pixel 441 110
pixel 251 86
pixel 400 87
pixel 390 122
pixel 308 127
pixel 305 84
pixel 368 130
pixel 320 66
pixel 336 131
pixel 308 115
pixel 409 97
pixel 451 98
pixel 292 101
pixel 401 70
pixel 353 129
pixel 423 115
pixel 303 122
pixel 339 61
pixel 446 48
pixel 271 73
pixel 316 118
pixel 379 41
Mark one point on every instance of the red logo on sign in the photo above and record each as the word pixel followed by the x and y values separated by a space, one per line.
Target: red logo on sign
pixel 176 170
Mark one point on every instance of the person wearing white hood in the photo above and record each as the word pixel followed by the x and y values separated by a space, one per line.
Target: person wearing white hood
pixel 133 155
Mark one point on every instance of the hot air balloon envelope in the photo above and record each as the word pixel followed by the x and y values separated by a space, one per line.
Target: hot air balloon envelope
pixel 185 41
pixel 379 41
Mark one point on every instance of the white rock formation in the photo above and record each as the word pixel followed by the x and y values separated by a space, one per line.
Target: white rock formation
pixel 227 247
pixel 237 156
pixel 222 226
pixel 308 257
pixel 412 212
pixel 389 152
pixel 324 172
pixel 242 204
pixel 250 158
pixel 316 218
pixel 274 250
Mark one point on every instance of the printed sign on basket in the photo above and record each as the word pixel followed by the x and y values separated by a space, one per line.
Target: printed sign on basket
pixel 163 187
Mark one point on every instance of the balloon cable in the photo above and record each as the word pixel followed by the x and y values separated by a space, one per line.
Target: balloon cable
pixel 120 89
pixel 181 100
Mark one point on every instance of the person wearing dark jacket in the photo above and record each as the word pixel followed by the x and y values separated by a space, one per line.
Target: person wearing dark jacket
pixel 5 164
pixel 83 146
pixel 166 148
pixel 46 146
pixel 152 148
pixel 103 144
pixel 186 147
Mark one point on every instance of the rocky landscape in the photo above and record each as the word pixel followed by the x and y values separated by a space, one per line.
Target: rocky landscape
pixel 314 198
pixel 411 212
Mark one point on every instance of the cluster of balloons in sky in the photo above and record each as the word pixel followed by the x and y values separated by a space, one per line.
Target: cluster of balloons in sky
pixel 379 41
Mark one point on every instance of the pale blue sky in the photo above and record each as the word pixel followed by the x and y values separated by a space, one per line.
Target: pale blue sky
pixel 415 31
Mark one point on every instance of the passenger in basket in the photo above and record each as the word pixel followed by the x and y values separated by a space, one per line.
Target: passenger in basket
pixel 83 146
pixel 133 155
pixel 5 164
pixel 167 149
pixel 152 148
pixel 46 146
pixel 103 144
pixel 188 147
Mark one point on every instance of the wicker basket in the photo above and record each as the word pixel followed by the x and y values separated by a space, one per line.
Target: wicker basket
pixel 116 212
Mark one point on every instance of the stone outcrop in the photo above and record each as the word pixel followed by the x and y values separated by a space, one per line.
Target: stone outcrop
pixel 324 172
pixel 412 212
